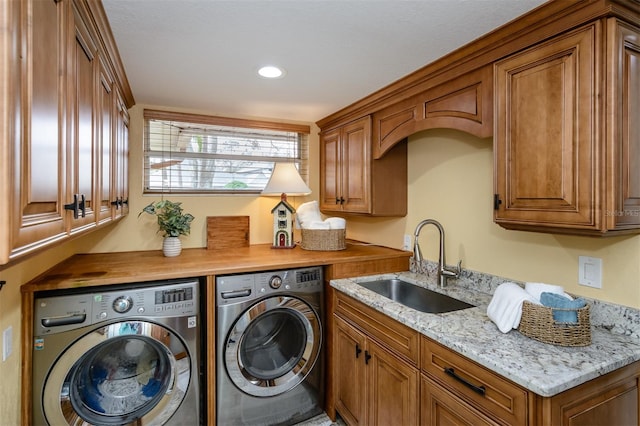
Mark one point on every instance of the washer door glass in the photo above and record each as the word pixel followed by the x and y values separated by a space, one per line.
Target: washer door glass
pixel 273 346
pixel 121 374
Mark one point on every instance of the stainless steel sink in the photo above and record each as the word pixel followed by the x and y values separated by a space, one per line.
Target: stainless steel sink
pixel 416 297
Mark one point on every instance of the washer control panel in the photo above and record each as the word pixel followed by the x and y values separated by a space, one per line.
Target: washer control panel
pixel 57 313
pixel 243 287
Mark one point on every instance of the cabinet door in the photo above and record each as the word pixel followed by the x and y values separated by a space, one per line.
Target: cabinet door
pixel 392 389
pixel 106 145
pixel 546 141
pixel 356 158
pixel 330 171
pixel 349 373
pixel 82 167
pixel 39 155
pixel 441 408
pixel 612 399
pixel 624 130
pixel 121 163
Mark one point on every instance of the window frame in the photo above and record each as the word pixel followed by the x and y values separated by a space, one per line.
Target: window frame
pixel 190 118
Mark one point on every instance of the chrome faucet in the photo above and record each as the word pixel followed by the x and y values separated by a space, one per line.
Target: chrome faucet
pixel 443 272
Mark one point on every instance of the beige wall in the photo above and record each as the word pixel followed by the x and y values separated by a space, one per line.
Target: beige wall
pixel 450 179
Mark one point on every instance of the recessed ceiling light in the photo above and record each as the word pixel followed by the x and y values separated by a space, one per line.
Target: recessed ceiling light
pixel 271 72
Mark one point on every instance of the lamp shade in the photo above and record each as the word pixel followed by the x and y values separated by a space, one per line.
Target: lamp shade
pixel 285 179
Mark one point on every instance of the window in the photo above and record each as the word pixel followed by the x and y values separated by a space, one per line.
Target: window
pixel 188 153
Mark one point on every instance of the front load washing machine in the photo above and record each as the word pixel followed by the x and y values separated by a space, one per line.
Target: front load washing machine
pixel 270 362
pixel 117 355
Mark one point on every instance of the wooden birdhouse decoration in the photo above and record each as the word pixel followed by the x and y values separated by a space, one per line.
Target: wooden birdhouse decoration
pixel 283 224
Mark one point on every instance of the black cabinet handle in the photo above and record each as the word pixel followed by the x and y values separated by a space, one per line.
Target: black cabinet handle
pixel 337 200
pixel 119 202
pixel 74 206
pixel 367 357
pixel 496 201
pixel 358 350
pixel 478 389
pixel 341 200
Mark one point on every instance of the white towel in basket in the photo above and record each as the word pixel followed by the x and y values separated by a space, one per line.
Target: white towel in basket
pixel 505 308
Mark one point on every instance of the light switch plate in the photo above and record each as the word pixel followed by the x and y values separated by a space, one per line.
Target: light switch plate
pixel 407 242
pixel 590 271
pixel 7 338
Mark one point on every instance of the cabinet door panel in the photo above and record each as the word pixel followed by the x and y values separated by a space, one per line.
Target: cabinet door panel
pixel 355 165
pixel 546 143
pixel 625 139
pixel 349 381
pixel 84 153
pixel 330 171
pixel 121 161
pixel 39 159
pixel 392 386
pixel 106 143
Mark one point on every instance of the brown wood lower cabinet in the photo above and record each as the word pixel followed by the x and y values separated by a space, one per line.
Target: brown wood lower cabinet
pixel 373 386
pixel 373 383
pixel 612 399
pixel 498 398
pixel 381 376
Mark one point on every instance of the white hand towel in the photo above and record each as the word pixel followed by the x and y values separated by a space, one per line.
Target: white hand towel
pixel 318 224
pixel 336 223
pixel 307 213
pixel 536 289
pixel 505 308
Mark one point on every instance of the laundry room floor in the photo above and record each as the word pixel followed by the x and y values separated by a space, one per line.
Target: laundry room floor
pixel 322 420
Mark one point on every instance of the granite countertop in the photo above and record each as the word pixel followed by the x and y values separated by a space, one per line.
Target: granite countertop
pixel 542 368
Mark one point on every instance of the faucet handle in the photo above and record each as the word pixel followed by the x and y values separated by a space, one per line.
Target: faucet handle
pixel 453 273
pixel 458 270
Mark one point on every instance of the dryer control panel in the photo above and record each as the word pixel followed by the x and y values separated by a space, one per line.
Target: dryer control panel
pixel 243 287
pixel 62 311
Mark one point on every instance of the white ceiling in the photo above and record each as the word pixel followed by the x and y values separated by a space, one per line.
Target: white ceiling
pixel 204 54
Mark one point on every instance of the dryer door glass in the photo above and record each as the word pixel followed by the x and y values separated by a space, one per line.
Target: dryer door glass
pixel 273 346
pixel 124 373
pixel 123 379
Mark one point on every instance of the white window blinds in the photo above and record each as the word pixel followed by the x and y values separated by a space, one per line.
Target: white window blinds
pixel 187 153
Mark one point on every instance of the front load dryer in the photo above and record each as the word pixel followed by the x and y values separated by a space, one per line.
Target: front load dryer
pixel 269 352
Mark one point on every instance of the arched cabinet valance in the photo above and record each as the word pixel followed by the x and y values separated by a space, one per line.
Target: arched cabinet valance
pixel 464 103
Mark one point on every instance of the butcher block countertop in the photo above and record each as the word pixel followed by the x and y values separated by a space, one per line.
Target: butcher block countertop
pixel 83 270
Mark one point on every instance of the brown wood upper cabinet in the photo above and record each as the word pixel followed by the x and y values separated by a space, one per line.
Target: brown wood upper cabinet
pixel 64 132
pixel 351 182
pixel 567 138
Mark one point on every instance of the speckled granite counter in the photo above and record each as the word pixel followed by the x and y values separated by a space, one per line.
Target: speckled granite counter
pixel 542 368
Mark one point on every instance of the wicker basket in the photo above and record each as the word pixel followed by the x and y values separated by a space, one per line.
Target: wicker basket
pixel 323 239
pixel 537 323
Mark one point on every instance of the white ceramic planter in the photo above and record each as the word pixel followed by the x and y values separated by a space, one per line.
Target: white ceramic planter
pixel 171 246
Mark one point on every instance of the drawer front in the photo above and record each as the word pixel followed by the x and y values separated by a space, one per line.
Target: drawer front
pixel 393 335
pixel 440 407
pixel 489 392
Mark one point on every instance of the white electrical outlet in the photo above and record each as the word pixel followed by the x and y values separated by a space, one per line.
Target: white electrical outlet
pixel 590 271
pixel 407 242
pixel 7 338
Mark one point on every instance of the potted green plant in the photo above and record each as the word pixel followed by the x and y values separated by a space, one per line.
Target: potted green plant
pixel 172 222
